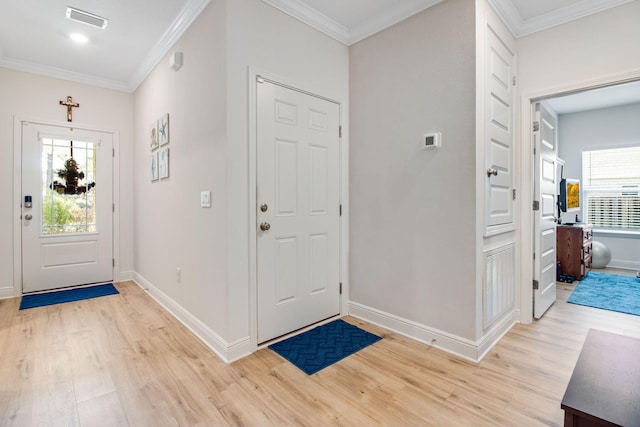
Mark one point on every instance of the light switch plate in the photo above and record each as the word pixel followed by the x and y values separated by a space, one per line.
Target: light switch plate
pixel 205 199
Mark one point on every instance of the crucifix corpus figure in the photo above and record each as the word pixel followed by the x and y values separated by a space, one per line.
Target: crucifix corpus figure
pixel 69 104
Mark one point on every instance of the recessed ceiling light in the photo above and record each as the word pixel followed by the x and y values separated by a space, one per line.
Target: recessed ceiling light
pixel 86 18
pixel 79 38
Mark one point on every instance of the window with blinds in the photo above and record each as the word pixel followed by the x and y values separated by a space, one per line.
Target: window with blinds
pixel 611 187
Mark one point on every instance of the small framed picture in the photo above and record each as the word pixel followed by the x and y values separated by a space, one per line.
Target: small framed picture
pixel 163 163
pixel 155 174
pixel 154 136
pixel 163 129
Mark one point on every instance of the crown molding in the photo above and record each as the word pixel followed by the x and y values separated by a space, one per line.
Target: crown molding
pixel 326 25
pixel 177 28
pixel 389 18
pixel 62 74
pixel 313 18
pixel 520 27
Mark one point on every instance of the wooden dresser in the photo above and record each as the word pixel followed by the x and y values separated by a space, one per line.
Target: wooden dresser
pixel 573 249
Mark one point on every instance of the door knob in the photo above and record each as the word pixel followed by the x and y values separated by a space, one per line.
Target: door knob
pixel 265 226
pixel 492 171
pixel 28 217
pixel 264 207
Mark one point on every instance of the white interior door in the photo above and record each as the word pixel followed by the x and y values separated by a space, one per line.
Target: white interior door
pixel 298 210
pixel 67 227
pixel 499 133
pixel 545 183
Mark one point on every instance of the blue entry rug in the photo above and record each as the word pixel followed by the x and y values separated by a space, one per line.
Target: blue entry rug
pixel 320 347
pixel 67 295
pixel 608 292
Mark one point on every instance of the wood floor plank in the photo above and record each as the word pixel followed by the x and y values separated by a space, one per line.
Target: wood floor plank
pixel 122 360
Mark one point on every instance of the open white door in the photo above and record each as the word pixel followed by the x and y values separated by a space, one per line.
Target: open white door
pixel 298 210
pixel 67 212
pixel 545 188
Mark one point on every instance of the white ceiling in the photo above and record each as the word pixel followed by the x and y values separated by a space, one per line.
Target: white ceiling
pixel 34 33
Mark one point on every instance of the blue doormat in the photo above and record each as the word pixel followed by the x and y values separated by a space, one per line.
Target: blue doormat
pixel 320 347
pixel 609 292
pixel 68 295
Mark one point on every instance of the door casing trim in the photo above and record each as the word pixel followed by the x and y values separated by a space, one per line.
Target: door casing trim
pixel 525 234
pixel 17 194
pixel 253 74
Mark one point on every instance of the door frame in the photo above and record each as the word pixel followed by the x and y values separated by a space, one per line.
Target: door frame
pixel 526 174
pixel 17 193
pixel 253 74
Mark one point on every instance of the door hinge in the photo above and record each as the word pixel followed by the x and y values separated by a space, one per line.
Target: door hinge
pixel 113 152
pixel 513 80
pixel 536 126
pixel 259 79
pixel 340 210
pixel 513 194
pixel 340 131
pixel 340 288
pixel 534 256
pixel 534 151
pixel 113 207
pixel 536 285
pixel 113 262
pixel 536 205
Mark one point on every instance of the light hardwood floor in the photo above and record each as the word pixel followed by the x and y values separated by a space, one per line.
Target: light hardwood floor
pixel 122 360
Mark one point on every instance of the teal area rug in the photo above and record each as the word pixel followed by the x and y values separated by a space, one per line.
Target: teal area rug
pixel 67 295
pixel 324 345
pixel 609 292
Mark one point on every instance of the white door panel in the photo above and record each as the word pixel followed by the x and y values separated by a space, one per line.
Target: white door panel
pixel 545 140
pixel 499 137
pixel 298 197
pixel 67 232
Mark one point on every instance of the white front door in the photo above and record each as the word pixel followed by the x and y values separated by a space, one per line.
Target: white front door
pixel 545 187
pixel 67 207
pixel 298 205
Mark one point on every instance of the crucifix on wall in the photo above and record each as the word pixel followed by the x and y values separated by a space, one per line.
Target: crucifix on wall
pixel 69 104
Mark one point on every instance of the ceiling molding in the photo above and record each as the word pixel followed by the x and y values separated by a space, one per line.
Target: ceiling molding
pixel 177 28
pixel 313 18
pixel 62 74
pixel 389 18
pixel 520 27
pixel 326 25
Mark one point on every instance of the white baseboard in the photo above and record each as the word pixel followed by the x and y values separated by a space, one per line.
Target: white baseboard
pixel 6 292
pixel 127 275
pixel 462 347
pixel 228 352
pixel 627 265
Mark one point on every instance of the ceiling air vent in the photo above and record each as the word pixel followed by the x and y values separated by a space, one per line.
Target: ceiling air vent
pixel 86 18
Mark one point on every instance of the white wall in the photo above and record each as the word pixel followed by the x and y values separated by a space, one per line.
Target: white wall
pixel 413 233
pixel 597 49
pixel 266 39
pixel 30 96
pixel 208 103
pixel 615 127
pixel 171 229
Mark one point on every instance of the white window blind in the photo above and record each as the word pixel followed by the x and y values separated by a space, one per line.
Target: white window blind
pixel 611 187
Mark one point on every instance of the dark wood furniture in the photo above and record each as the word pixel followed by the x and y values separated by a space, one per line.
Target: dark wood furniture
pixel 573 249
pixel 604 389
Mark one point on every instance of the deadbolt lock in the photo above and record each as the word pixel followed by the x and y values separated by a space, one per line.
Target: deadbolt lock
pixel 264 207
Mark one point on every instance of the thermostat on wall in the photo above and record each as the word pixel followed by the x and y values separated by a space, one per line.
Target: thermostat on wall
pixel 432 140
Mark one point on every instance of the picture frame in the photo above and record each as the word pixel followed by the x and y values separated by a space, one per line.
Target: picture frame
pixel 155 174
pixel 163 163
pixel 154 136
pixel 163 129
